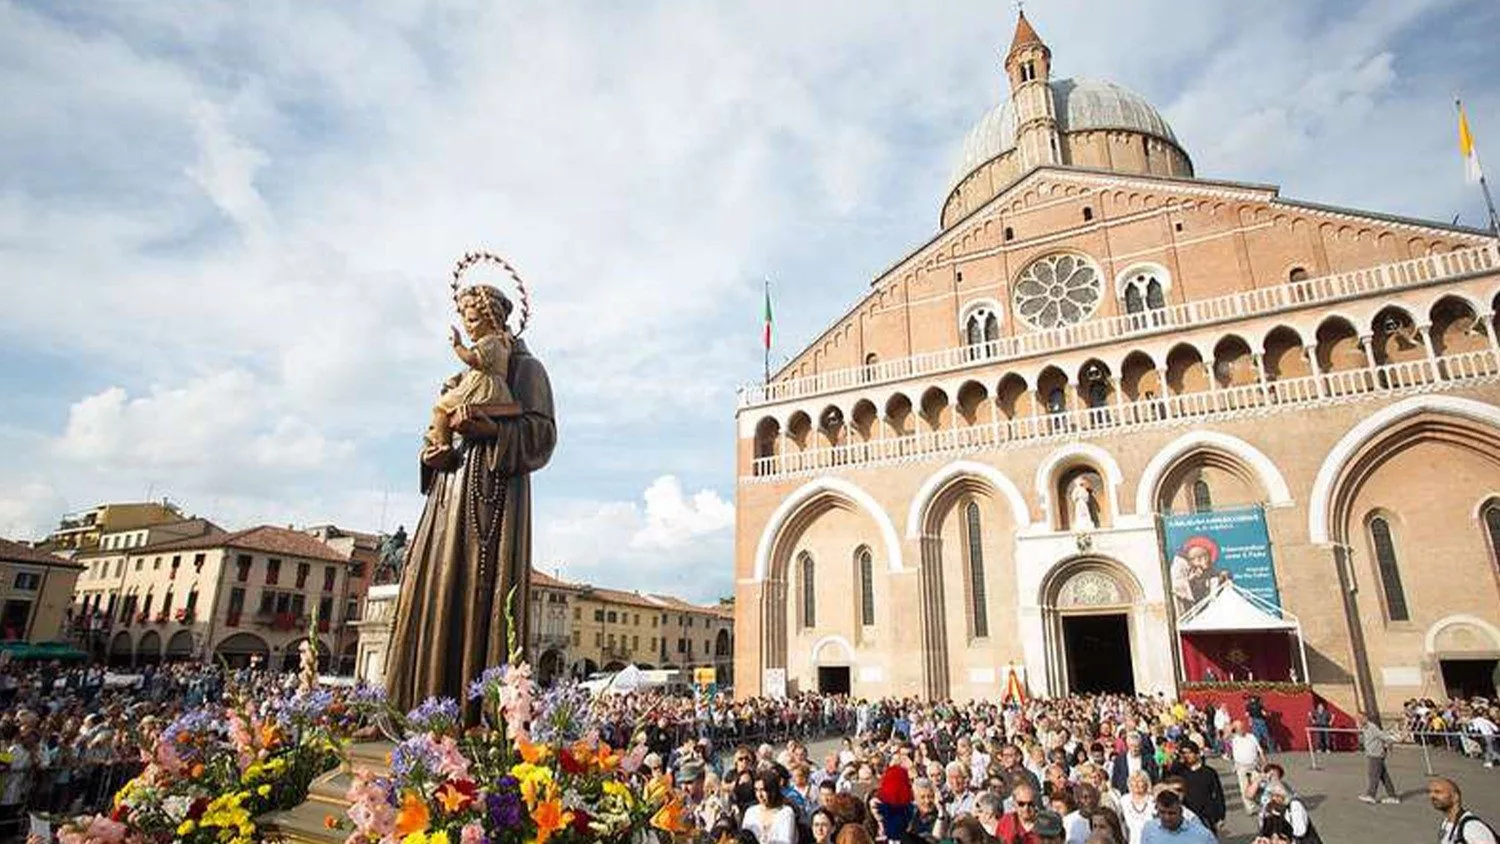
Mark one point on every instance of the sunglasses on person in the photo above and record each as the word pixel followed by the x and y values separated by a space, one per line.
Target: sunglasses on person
pixel 1025 804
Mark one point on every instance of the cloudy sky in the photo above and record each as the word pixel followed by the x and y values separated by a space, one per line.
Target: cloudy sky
pixel 225 227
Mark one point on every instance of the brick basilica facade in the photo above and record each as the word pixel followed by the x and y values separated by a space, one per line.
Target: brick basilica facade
pixel 906 519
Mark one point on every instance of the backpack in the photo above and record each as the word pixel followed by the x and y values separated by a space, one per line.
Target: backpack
pixel 1463 822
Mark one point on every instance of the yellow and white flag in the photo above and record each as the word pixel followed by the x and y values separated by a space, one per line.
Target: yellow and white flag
pixel 1472 171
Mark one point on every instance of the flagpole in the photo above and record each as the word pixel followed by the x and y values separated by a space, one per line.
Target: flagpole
pixel 1484 185
pixel 766 345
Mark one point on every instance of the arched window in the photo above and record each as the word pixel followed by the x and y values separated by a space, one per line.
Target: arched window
pixel 1203 499
pixel 1491 517
pixel 981 329
pixel 1155 299
pixel 1088 214
pixel 1098 392
pixel 1390 570
pixel 1133 302
pixel 975 330
pixel 1297 274
pixel 1010 233
pixel 809 600
pixel 866 587
pixel 991 327
pixel 977 606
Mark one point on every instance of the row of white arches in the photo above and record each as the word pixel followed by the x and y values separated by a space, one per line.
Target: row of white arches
pixel 1273 483
pixel 1376 335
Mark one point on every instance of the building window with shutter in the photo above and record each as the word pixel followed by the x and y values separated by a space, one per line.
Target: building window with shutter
pixel 866 587
pixel 1384 545
pixel 974 542
pixel 806 582
pixel 273 571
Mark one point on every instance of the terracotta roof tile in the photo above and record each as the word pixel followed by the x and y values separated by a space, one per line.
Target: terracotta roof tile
pixel 15 552
pixel 267 539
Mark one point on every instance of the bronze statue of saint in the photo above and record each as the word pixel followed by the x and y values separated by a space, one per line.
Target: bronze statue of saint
pixel 472 547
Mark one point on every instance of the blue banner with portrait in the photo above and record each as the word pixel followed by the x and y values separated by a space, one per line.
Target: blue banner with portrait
pixel 1229 544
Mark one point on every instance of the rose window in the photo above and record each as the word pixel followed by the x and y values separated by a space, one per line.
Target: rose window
pixel 1057 290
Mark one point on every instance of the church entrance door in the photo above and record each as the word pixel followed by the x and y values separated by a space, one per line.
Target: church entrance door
pixel 1465 678
pixel 833 679
pixel 1098 653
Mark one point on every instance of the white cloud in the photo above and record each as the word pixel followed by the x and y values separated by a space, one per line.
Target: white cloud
pixel 236 219
pixel 222 423
pixel 673 520
pixel 666 542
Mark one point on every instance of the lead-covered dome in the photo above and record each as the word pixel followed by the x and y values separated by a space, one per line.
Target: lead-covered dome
pixel 1080 105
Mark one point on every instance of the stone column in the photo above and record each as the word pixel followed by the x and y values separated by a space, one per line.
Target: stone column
pixel 1425 332
pixel 1488 320
pixel 1317 370
pixel 935 680
pixel 1257 359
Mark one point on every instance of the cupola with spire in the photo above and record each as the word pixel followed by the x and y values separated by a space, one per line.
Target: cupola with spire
pixel 1041 122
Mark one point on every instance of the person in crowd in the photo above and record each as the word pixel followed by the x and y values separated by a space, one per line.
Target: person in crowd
pixel 1260 723
pixel 1106 821
pixel 1204 793
pixel 1459 824
pixel 1321 721
pixel 894 803
pixel 1170 826
pixel 1050 828
pixel 1286 816
pixel 1376 743
pixel 1012 770
pixel 988 810
pixel 1137 806
pixel 770 820
pixel 821 826
pixel 960 799
pixel 1132 760
pixel 1246 754
pixel 929 821
pixel 1075 825
pixel 1019 825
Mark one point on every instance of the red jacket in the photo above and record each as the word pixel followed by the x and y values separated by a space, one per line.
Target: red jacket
pixel 1009 831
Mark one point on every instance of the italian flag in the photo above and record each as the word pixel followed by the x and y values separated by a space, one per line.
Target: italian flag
pixel 766 332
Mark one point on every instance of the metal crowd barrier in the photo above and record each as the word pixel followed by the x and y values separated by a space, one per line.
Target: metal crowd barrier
pixel 1405 739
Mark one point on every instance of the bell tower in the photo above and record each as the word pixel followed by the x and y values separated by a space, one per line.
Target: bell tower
pixel 1028 65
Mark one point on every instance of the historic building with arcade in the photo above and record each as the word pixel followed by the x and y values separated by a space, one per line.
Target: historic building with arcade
pixel 972 472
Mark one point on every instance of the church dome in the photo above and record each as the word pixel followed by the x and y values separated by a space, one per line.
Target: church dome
pixel 1080 104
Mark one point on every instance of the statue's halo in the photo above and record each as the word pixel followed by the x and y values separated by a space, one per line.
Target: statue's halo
pixel 473 259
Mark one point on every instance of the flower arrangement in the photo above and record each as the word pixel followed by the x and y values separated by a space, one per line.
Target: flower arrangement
pixel 212 771
pixel 534 772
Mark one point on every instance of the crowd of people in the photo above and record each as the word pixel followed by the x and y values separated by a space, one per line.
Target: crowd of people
pixel 1468 725
pixel 1101 769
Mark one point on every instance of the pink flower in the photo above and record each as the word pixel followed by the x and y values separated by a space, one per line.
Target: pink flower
pixel 472 833
pixel 94 830
pixel 451 761
pixel 515 699
pixel 377 820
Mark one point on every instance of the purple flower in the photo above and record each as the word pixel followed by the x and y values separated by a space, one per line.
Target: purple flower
pixel 504 804
pixel 434 715
pixel 564 715
pixel 414 759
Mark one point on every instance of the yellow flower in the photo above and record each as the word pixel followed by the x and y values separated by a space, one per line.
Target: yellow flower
pixel 186 827
pixel 263 791
pixel 438 837
pixel 415 838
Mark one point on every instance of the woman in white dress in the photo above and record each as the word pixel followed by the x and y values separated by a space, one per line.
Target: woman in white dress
pixel 770 820
pixel 1138 806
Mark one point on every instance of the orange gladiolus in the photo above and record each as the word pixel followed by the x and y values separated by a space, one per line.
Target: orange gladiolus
pixel 549 817
pixel 413 817
pixel 532 753
pixel 672 817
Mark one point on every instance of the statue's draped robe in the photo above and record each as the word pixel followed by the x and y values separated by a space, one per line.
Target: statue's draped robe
pixel 471 548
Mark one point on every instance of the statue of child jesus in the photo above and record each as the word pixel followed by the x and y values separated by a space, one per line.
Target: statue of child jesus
pixel 483 386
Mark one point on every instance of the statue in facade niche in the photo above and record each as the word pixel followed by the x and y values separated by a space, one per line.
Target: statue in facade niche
pixel 1081 495
pixel 467 575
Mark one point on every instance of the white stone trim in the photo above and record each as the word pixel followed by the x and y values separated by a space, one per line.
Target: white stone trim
pixel 983 303
pixel 810 491
pixel 1271 478
pixel 1429 641
pixel 1134 268
pixel 1083 452
pixel 831 640
pixel 916 514
pixel 1370 427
